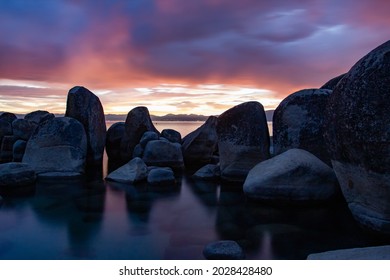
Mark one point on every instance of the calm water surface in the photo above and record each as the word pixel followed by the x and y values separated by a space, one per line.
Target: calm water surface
pixel 101 220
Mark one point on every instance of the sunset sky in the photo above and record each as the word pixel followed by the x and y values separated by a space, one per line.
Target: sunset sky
pixel 179 56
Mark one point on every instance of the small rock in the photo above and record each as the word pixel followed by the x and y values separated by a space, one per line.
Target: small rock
pixel 132 172
pixel 161 176
pixel 148 136
pixel 208 172
pixel 138 151
pixel 7 117
pixel 15 174
pixel 163 153
pixel 39 116
pixel 172 135
pixel 223 250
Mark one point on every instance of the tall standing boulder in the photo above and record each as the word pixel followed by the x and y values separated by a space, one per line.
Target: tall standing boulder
pixel 243 140
pixel 200 145
pixel 298 123
pixel 57 148
pixel 137 123
pixel 358 138
pixel 85 107
pixel 113 140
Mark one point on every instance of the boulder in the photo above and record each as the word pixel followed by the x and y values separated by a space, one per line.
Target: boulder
pixel 331 84
pixel 172 135
pixel 6 150
pixel 243 140
pixel 223 250
pixel 367 253
pixel 7 117
pixel 148 136
pixel 23 129
pixel 161 177
pixel 137 123
pixel 57 148
pixel 113 140
pixel 132 172
pixel 18 150
pixel 163 153
pixel 16 174
pixel 208 172
pixel 39 116
pixel 295 175
pixel 357 133
pixel 85 107
pixel 5 130
pixel 298 123
pixel 200 145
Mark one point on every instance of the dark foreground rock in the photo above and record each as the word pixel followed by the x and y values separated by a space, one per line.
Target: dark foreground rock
pixel 132 172
pixel 113 140
pixel 243 140
pixel 23 129
pixel 15 174
pixel 367 253
pixel 298 123
pixel 223 250
pixel 208 172
pixel 161 177
pixel 85 107
pixel 39 116
pixel 18 150
pixel 358 138
pixel 163 153
pixel 294 176
pixel 57 148
pixel 7 117
pixel 172 135
pixel 331 84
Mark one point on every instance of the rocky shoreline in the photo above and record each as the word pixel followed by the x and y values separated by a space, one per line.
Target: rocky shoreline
pixel 326 142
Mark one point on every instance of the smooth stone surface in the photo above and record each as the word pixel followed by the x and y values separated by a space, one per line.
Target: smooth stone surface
pixel 172 135
pixel 331 84
pixel 137 123
pixel 298 123
pixel 357 132
pixel 15 174
pixel 223 250
pixel 208 172
pixel 367 253
pixel 85 107
pixel 200 145
pixel 243 140
pixel 132 172
pixel 113 140
pixel 148 136
pixel 163 153
pixel 18 150
pixel 58 145
pixel 23 129
pixel 295 175
pixel 161 177
pixel 39 116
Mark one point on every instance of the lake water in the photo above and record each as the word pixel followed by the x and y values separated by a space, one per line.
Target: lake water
pixel 104 220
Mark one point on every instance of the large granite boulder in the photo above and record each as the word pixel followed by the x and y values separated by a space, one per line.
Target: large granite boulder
pixel 163 153
pixel 137 123
pixel 16 174
pixel 57 148
pixel 293 176
pixel 331 84
pixel 243 140
pixel 298 123
pixel 132 172
pixel 366 253
pixel 113 140
pixel 85 107
pixel 223 250
pixel 39 116
pixel 358 138
pixel 7 117
pixel 23 129
pixel 200 145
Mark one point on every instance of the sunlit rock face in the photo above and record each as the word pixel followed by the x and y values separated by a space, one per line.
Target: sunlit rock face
pixel 358 138
pixel 298 123
pixel 243 140
pixel 85 107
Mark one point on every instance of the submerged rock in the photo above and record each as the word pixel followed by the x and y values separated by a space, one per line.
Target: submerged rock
pixel 223 250
pixel 113 140
pixel 163 153
pixel 208 172
pixel 16 174
pixel 367 253
pixel 85 107
pixel 161 177
pixel 295 175
pixel 58 147
pixel 358 138
pixel 243 140
pixel 132 172
pixel 298 123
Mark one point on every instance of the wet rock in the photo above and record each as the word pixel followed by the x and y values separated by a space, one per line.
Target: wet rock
pixel 357 133
pixel 18 150
pixel 161 177
pixel 163 153
pixel 113 140
pixel 367 253
pixel 172 135
pixel 15 174
pixel 85 107
pixel 6 150
pixel 331 84
pixel 208 172
pixel 137 123
pixel 200 145
pixel 295 175
pixel 132 172
pixel 7 117
pixel 298 123
pixel 243 140
pixel 148 136
pixel 223 250
pixel 39 116
pixel 23 129
pixel 57 147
